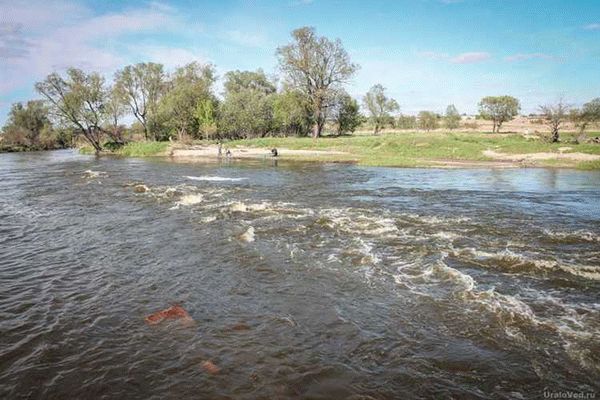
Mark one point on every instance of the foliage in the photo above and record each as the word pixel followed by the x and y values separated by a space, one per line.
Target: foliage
pixel 406 122
pixel 190 86
pixel 499 109
pixel 346 114
pixel 427 120
pixel 247 110
pixel 141 86
pixel 452 117
pixel 379 106
pixel 79 100
pixel 317 67
pixel 29 128
pixel 291 113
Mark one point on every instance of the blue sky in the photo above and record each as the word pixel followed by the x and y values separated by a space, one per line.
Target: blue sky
pixel 427 53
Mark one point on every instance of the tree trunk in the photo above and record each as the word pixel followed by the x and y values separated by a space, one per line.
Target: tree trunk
pixel 555 135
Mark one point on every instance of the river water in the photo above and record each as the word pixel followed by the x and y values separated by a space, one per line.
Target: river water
pixel 303 280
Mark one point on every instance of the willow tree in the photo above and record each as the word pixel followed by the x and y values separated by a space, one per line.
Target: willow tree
pixel 141 86
pixel 79 99
pixel 318 67
pixel 379 107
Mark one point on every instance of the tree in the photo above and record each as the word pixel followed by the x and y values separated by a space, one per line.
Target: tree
pixel 79 99
pixel 114 110
pixel 379 107
pixel 452 117
pixel 189 87
pixel 406 122
pixel 140 87
pixel 346 114
pixel 26 122
pixel 427 120
pixel 317 67
pixel 499 109
pixel 291 113
pixel 247 109
pixel 554 115
pixel 589 114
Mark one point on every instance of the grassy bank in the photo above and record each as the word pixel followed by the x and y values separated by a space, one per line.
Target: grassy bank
pixel 134 149
pixel 413 149
pixel 426 149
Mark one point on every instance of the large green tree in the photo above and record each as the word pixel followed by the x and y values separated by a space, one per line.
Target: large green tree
pixel 79 99
pixel 247 109
pixel 141 87
pixel 346 114
pixel 379 107
pixel 292 113
pixel 27 122
pixel 318 67
pixel 499 109
pixel 190 88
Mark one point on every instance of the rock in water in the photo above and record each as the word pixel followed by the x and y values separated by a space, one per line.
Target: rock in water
pixel 173 312
pixel 140 188
pixel 210 367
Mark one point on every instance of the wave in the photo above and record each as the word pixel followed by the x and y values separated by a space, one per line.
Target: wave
pixel 510 261
pixel 190 199
pixel 215 178
pixel 572 237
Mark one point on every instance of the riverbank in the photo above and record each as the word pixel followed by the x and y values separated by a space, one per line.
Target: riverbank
pixel 418 149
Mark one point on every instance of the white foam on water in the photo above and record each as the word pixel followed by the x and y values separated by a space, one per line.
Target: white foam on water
pixel 215 178
pixel 93 174
pixel 191 199
pixel 516 261
pixel 248 236
pixel 578 235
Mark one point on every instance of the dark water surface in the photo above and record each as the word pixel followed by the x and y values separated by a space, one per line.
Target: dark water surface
pixel 304 281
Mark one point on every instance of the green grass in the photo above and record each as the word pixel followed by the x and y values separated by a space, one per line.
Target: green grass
pixel 133 149
pixel 421 148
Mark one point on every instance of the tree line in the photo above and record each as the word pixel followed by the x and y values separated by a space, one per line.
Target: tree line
pixel 183 105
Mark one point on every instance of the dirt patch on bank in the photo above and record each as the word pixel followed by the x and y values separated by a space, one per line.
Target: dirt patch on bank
pixel 248 152
pixel 577 157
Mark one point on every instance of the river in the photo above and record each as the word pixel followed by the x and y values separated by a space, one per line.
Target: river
pixel 303 280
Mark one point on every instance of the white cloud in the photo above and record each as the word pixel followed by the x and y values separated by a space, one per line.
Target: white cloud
pixel 462 58
pixel 246 38
pixel 37 38
pixel 592 27
pixel 470 58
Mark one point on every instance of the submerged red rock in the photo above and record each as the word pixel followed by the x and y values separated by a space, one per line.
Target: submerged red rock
pixel 210 367
pixel 173 312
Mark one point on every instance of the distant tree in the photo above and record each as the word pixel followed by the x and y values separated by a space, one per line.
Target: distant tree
pixel 346 114
pixel 427 120
pixel 79 99
pixel 499 109
pixel 379 107
pixel 452 117
pixel 247 109
pixel 26 122
pixel 406 122
pixel 292 113
pixel 317 67
pixel 589 114
pixel 555 115
pixel 140 87
pixel 189 87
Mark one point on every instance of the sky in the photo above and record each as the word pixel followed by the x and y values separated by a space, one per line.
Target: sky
pixel 426 53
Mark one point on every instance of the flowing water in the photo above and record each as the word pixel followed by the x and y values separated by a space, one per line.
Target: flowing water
pixel 303 280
